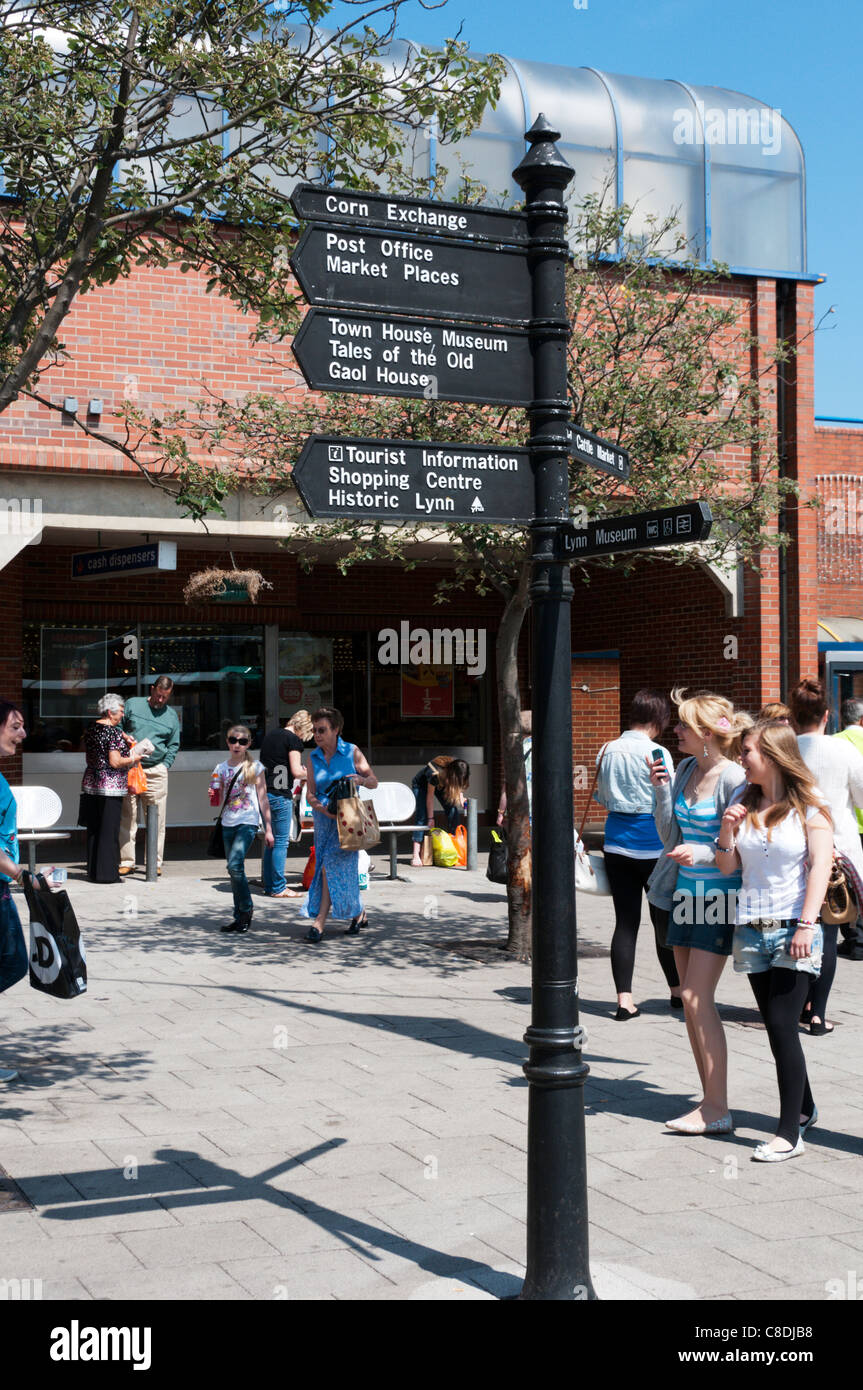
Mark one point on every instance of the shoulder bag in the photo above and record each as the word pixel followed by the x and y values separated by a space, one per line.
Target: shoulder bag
pixel 590 871
pixel 216 843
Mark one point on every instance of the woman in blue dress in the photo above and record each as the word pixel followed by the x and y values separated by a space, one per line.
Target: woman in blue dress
pixel 336 885
pixel 687 883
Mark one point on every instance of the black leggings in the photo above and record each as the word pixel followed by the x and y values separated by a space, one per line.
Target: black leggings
pixel 780 995
pixel 819 985
pixel 628 880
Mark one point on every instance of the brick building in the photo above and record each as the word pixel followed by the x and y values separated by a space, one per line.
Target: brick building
pixel 156 337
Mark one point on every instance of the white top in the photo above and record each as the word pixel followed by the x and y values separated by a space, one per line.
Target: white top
pixel 774 869
pixel 837 768
pixel 242 806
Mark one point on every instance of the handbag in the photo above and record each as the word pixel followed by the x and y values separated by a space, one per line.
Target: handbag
pixel 342 790
pixel 58 963
pixel 309 870
pixel 357 823
pixel 216 842
pixel 591 875
pixel 426 852
pixel 840 904
pixel 498 856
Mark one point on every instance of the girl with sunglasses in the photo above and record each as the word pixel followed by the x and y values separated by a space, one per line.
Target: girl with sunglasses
pixel 241 779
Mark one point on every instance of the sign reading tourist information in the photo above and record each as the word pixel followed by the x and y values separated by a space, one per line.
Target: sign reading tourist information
pixel 383 356
pixel 401 480
pixel 639 531
pixel 349 205
pixel 589 448
pixel 371 269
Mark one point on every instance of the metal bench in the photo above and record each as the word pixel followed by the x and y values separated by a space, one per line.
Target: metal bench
pixel 394 805
pixel 38 809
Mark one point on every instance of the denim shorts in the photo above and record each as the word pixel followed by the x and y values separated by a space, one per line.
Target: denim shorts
pixel 701 922
pixel 757 949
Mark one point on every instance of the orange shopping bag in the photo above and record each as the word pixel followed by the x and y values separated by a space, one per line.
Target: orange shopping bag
pixel 460 838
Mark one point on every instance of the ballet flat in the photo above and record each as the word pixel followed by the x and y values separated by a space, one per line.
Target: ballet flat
pixel 765 1155
pixel 724 1125
pixel 813 1120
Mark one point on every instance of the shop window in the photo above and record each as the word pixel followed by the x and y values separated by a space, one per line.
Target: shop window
pixel 66 670
pixel 218 676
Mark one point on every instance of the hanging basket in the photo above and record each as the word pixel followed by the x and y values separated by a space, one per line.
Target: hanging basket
pixel 214 584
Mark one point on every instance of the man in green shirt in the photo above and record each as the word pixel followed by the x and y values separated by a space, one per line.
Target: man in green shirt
pixel 154 719
pixel 852 730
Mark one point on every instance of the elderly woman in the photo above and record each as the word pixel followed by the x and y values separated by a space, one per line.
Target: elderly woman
pixel 336 885
pixel 103 788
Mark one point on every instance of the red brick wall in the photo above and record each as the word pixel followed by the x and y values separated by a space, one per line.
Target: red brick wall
pixel 595 719
pixel 840 450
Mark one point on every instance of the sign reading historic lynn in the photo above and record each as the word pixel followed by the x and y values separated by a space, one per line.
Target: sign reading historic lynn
pixel 401 480
pixel 377 354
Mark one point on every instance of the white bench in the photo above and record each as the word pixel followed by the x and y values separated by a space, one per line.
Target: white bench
pixel 394 804
pixel 38 809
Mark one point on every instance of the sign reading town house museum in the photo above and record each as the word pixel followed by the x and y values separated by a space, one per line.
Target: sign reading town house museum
pixel 401 480
pixel 370 269
pixel 400 214
pixel 376 354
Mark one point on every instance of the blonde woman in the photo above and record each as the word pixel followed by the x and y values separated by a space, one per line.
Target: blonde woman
pixel 687 885
pixel 240 782
pixel 448 779
pixel 780 836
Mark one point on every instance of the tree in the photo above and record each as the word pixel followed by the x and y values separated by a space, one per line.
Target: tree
pixel 149 131
pixel 659 363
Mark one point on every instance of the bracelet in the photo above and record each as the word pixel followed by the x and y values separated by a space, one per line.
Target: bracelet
pixel 720 849
pixel 809 925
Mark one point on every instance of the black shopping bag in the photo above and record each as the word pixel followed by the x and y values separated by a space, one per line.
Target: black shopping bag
pixel 498 856
pixel 58 965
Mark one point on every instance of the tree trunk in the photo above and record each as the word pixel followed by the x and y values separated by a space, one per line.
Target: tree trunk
pixel 517 817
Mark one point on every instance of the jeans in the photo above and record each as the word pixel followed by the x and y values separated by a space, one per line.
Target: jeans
pixel 757 950
pixel 273 867
pixel 14 956
pixel 238 838
pixel 452 815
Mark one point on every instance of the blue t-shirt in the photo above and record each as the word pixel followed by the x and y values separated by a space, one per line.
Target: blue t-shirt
pixel 8 825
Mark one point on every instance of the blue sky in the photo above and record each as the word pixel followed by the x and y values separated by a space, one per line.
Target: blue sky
pixel 800 58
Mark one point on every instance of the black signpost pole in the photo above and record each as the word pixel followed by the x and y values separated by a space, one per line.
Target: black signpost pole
pixel 557 1231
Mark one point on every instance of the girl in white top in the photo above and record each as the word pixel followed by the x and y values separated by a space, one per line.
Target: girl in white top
pixel 242 780
pixel 780 837
pixel 837 769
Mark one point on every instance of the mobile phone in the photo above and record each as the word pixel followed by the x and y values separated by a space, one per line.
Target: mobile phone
pixel 657 753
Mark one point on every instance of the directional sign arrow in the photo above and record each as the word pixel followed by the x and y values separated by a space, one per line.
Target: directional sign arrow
pixel 401 480
pixel 382 210
pixel 589 448
pixel 367 269
pixel 378 355
pixel 639 531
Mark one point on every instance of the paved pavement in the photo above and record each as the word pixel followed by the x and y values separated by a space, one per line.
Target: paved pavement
pixel 257 1118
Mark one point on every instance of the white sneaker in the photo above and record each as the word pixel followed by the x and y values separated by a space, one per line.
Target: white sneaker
pixel 7 1074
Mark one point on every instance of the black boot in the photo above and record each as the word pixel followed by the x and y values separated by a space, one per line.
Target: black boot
pixel 244 920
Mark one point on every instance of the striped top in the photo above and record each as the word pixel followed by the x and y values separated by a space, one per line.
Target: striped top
pixel 699 825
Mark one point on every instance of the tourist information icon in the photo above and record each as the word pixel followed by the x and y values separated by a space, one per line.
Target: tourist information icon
pixel 355 208
pixel 401 480
pixel 365 268
pixel 638 531
pixel 382 355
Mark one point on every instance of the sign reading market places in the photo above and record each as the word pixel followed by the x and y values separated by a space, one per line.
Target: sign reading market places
pixel 589 448
pixel 401 480
pixel 399 214
pixel 372 269
pixel 376 354
pixel 137 559
pixel 638 531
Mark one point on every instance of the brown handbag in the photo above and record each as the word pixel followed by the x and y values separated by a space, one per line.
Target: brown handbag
pixel 840 904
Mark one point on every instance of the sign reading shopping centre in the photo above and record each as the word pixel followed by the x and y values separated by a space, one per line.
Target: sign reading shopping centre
pixel 401 480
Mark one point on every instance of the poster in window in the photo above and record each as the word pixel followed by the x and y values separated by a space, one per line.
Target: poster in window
pixel 305 672
pixel 427 692
pixel 73 671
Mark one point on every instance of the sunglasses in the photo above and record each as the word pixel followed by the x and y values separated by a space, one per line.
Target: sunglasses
pixel 244 741
pixel 321 729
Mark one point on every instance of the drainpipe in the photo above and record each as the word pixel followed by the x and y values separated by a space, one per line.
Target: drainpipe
pixel 784 289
